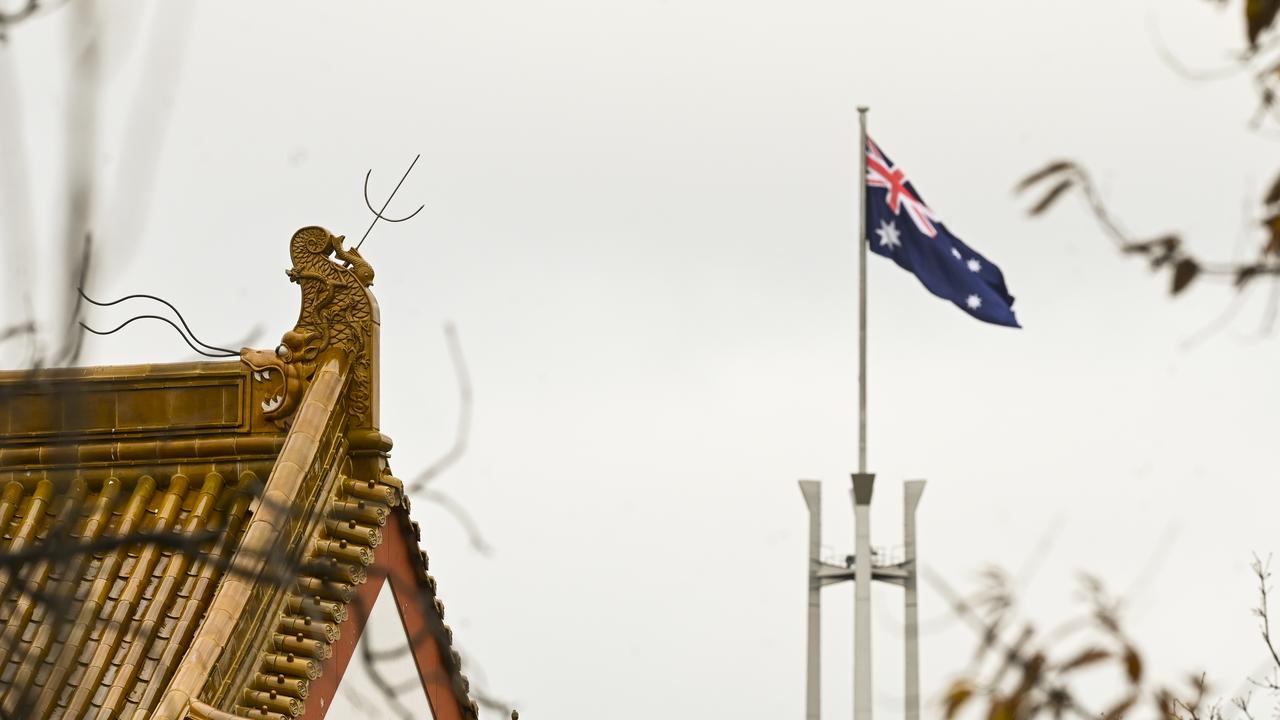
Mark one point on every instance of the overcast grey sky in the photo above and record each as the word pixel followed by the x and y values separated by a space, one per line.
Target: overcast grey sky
pixel 641 217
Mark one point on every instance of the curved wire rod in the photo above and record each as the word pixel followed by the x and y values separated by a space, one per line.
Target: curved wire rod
pixel 121 326
pixel 181 319
pixel 250 338
pixel 377 214
pixel 369 204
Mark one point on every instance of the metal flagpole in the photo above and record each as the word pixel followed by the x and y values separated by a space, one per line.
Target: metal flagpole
pixel 862 481
pixel 812 490
pixel 862 289
pixel 911 493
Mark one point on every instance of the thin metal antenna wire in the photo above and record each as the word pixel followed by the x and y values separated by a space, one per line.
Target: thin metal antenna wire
pixel 377 214
pixel 170 306
pixel 122 325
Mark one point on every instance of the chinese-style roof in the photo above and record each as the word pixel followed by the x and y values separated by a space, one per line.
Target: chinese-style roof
pixel 206 540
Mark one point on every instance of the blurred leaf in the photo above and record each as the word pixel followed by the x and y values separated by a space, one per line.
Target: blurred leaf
pixel 1088 656
pixel 1120 709
pixel 1053 168
pixel 1258 16
pixel 1033 669
pixel 1243 276
pixel 1012 655
pixel 1132 665
pixel 1051 196
pixel 1183 273
pixel 1001 710
pixel 1032 674
pixel 957 696
pixel 1164 243
pixel 1058 700
pixel 1273 242
pixel 1273 195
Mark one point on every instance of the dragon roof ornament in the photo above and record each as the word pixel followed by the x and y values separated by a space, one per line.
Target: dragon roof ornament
pixel 338 318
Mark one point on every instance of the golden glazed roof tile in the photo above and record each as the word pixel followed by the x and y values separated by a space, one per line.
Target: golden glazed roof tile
pixel 326 597
pixel 68 544
pixel 205 540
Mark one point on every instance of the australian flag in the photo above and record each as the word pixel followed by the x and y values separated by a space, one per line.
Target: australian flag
pixel 901 227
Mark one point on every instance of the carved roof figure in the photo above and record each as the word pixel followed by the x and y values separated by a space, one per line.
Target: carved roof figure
pixel 206 540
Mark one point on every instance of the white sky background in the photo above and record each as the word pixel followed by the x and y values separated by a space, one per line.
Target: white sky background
pixel 641 216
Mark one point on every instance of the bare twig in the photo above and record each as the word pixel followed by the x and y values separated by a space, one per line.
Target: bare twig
pixel 1263 572
pixel 462 431
pixel 478 543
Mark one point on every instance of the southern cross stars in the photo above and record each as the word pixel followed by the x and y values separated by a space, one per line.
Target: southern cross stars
pixel 889 237
pixel 971 263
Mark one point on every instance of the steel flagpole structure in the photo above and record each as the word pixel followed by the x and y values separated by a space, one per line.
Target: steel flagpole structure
pixel 812 490
pixel 862 288
pixel 863 566
pixel 862 481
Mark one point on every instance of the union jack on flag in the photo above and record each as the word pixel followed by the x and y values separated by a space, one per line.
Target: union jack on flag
pixel 903 228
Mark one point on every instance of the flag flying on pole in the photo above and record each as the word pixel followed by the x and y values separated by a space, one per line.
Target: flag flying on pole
pixel 901 227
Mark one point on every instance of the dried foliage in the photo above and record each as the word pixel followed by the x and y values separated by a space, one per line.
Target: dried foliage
pixel 1021 672
pixel 1261 59
pixel 1164 252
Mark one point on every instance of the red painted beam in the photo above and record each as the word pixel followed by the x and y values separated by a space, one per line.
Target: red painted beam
pixel 423 626
pixel 323 688
pixel 395 560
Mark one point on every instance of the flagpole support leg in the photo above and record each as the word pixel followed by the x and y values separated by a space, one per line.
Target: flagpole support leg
pixel 863 484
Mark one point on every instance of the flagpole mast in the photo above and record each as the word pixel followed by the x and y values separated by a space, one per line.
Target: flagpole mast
pixel 862 481
pixel 862 288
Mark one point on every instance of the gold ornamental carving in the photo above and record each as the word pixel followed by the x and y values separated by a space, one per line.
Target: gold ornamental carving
pixel 338 315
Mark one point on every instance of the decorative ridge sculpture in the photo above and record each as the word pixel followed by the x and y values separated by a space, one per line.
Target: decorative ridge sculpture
pixel 338 317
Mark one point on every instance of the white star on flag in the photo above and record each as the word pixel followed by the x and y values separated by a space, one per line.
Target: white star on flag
pixel 956 253
pixel 973 301
pixel 974 265
pixel 889 237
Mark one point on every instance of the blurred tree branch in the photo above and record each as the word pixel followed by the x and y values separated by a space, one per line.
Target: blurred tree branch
pixel 1021 673
pixel 1261 59
pixel 462 430
pixel 421 485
